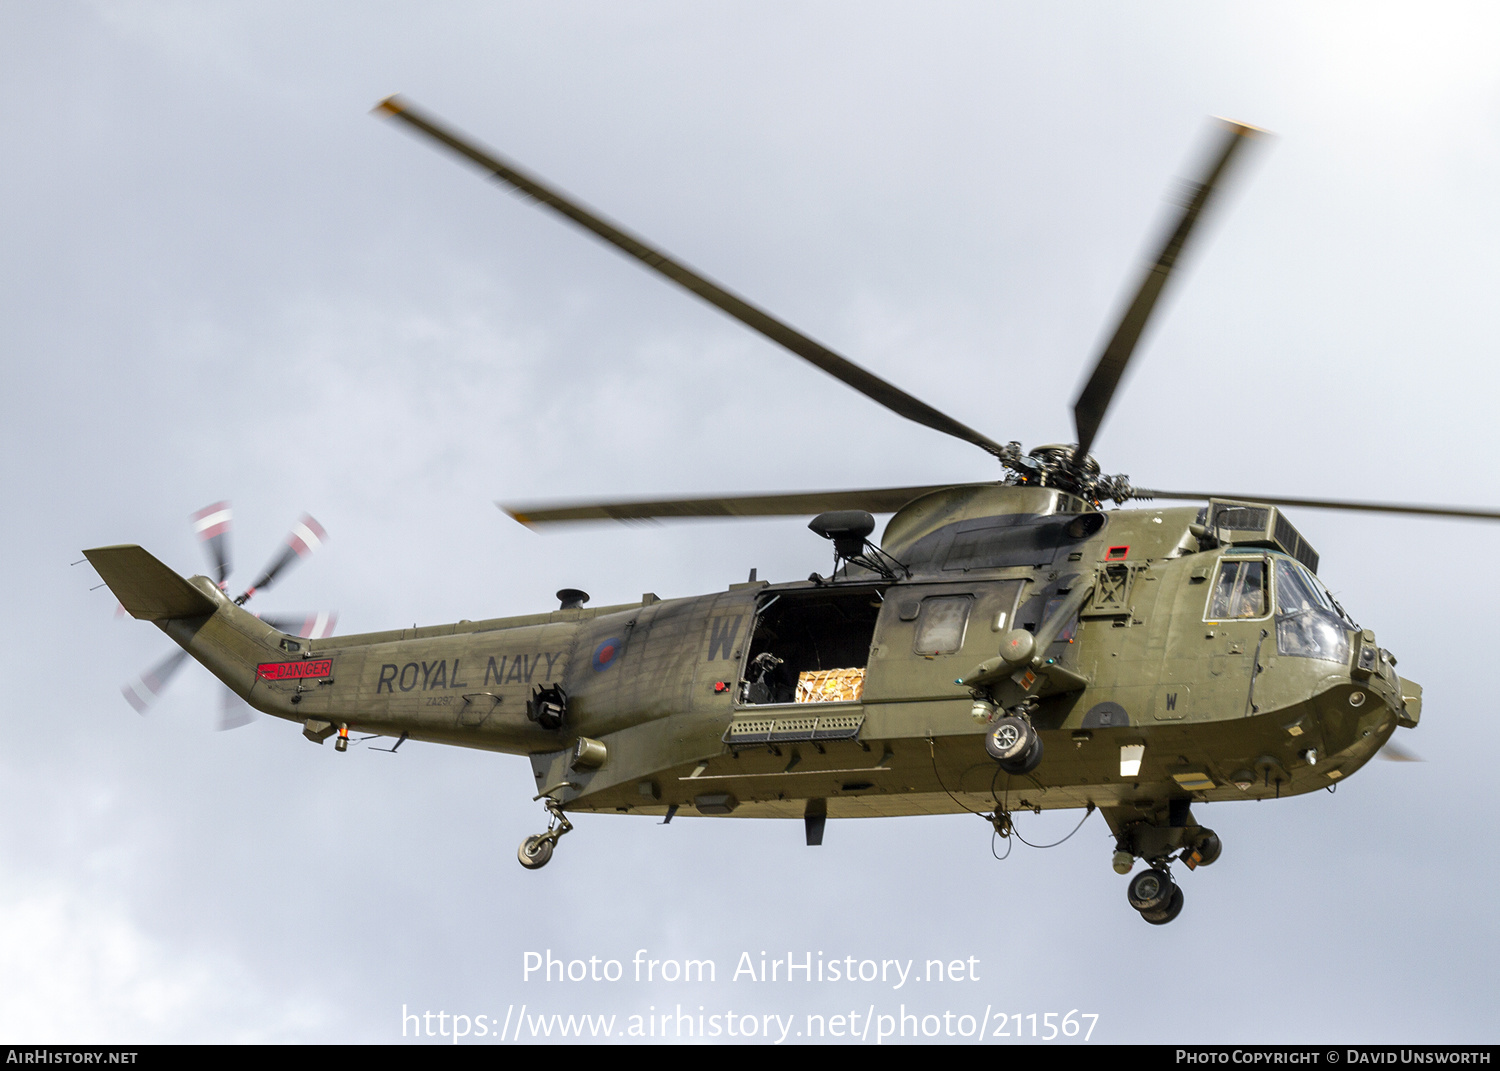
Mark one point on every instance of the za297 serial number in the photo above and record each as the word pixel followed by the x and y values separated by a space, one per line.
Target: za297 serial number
pixel 1045 1026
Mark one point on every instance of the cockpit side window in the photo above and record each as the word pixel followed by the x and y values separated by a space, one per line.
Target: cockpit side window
pixel 1239 591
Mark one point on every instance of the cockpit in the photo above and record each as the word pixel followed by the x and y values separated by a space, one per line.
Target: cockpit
pixel 1310 623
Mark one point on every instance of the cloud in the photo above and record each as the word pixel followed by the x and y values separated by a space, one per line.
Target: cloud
pixel 76 969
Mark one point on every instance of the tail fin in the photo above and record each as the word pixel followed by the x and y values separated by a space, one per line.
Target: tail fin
pixel 145 587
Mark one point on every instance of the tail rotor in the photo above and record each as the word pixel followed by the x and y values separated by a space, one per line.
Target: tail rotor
pixel 147 688
pixel 212 524
pixel 306 536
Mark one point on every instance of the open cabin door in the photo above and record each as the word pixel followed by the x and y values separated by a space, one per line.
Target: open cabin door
pixel 811 646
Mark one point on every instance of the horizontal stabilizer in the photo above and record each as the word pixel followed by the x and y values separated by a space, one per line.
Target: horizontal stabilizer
pixel 145 587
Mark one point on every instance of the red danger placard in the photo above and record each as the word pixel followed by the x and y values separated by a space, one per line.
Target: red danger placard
pixel 294 671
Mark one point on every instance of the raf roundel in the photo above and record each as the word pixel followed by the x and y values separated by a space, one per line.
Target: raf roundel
pixel 605 653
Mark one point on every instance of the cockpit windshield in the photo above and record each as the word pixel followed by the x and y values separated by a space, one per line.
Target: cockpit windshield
pixel 1297 589
pixel 1309 622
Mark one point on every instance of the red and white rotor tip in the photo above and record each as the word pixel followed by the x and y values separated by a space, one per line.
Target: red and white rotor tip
pixel 212 520
pixel 212 523
pixel 306 536
pixel 147 688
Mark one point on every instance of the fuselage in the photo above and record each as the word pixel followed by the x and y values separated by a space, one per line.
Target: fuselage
pixel 1195 668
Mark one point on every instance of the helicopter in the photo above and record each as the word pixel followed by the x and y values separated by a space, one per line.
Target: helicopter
pixel 1006 646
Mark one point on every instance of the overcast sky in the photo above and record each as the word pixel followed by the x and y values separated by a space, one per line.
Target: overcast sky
pixel 224 279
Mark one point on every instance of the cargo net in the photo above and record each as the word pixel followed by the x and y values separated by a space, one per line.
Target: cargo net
pixel 830 685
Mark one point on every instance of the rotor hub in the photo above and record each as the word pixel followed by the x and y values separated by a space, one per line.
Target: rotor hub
pixel 1059 465
pixel 1065 455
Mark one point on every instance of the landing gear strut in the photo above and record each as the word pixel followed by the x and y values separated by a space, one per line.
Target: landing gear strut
pixel 1170 835
pixel 536 851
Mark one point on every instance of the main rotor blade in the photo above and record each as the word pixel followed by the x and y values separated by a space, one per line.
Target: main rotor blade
pixel 841 368
pixel 1455 512
pixel 1394 752
pixel 1089 409
pixel 805 503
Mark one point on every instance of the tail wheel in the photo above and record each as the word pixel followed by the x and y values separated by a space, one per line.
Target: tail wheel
pixel 535 851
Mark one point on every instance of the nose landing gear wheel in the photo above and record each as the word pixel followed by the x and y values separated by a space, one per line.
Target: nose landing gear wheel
pixel 1166 914
pixel 535 851
pixel 1150 890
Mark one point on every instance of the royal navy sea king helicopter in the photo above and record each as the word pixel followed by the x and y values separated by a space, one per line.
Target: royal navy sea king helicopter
pixel 1007 646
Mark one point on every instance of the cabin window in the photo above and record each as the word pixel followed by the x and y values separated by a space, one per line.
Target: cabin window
pixel 941 623
pixel 1239 591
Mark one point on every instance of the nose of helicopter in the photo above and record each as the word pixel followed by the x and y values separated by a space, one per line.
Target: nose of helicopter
pixel 1368 706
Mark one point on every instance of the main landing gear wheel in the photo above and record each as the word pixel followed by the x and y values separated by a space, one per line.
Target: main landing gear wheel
pixel 535 851
pixel 1029 760
pixel 1015 744
pixel 1150 890
pixel 1009 739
